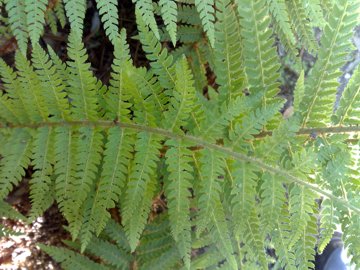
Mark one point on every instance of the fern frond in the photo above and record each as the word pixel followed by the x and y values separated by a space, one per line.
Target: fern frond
pixel 71 260
pixel 14 101
pixel 273 197
pixel 351 238
pixel 300 22
pixel 7 110
pixel 117 234
pixel 6 210
pixel 206 11
pixel 211 169
pixel 220 233
pixel 188 14
pixel 314 12
pixel 280 15
pixel 251 124
pixel 41 183
pixel 87 158
pixel 82 89
pixel 117 98
pixel 140 186
pixel 157 248
pixel 301 204
pixel 321 88
pixel 108 11
pixel 160 61
pixel 30 90
pixel 182 99
pixel 281 238
pixel 145 9
pixel 230 74
pixel 349 107
pixel 17 20
pixel 177 187
pixel 65 170
pixel 51 81
pixel 169 15
pixel 260 57
pixel 113 176
pixel 35 18
pixel 328 221
pixel 15 158
pixel 60 13
pixel 111 254
pixel 305 247
pixel 75 11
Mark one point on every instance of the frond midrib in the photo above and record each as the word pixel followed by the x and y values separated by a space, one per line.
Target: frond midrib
pixel 200 142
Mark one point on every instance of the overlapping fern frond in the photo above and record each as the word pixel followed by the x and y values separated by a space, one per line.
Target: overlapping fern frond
pixel 235 177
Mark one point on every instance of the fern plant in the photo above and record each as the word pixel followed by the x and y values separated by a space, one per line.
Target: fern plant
pixel 237 177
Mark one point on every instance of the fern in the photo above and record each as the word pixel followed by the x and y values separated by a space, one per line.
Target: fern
pixel 206 12
pixel 197 131
pixel 108 13
pixel 17 21
pixel 146 11
pixel 75 11
pixel 323 82
pixel 169 15
pixel 35 18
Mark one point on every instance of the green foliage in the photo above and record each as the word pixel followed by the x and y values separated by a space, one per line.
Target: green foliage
pixel 199 130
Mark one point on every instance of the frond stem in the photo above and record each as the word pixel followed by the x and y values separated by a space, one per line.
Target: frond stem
pixel 200 142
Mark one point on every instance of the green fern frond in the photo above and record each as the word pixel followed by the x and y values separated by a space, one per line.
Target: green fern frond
pixel 160 61
pixel 41 183
pixel 82 83
pixel 348 110
pixel 301 206
pixel 273 197
pixel 75 11
pixel 177 187
pixel 35 18
pixel 281 238
pixel 71 260
pixel 14 102
pixel 280 15
pixel 117 98
pixel 229 69
pixel 30 90
pixel 305 247
pixel 140 186
pixel 314 12
pixel 51 81
pixel 221 234
pixel 169 15
pixel 87 158
pixel 111 254
pixel 188 14
pixel 210 171
pixel 108 11
pixel 114 175
pixel 206 11
pixel 321 88
pixel 15 158
pixel 17 20
pixel 328 223
pixel 145 10
pixel 60 13
pixel 300 22
pixel 260 57
pixel 65 170
pixel 182 99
